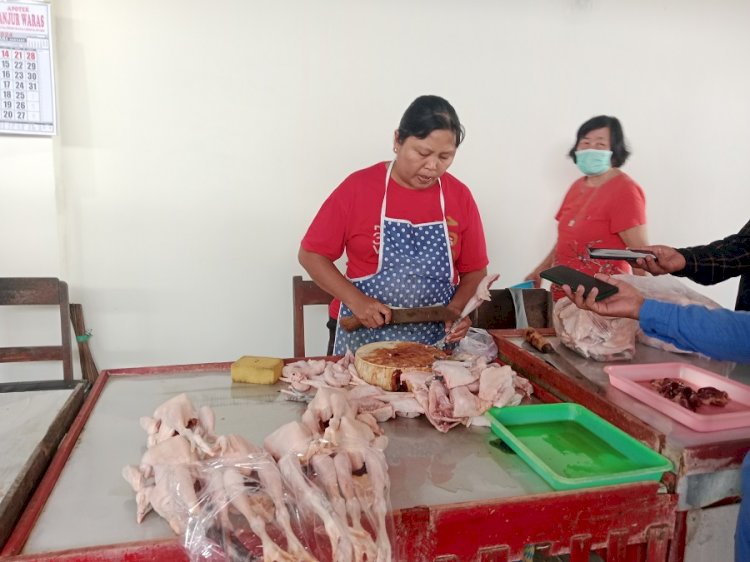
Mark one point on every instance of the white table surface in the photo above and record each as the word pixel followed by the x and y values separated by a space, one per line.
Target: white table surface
pixel 91 504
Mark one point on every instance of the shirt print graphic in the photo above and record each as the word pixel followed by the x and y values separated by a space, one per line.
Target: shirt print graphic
pixel 376 239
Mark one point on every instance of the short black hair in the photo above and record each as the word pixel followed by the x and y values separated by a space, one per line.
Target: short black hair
pixel 619 149
pixel 427 114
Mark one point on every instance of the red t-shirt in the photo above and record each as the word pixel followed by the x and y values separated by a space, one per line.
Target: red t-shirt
pixel 349 220
pixel 594 217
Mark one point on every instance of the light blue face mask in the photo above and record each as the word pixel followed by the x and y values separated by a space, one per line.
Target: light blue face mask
pixel 593 162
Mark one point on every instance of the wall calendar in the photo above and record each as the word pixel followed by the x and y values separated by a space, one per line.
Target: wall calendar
pixel 27 87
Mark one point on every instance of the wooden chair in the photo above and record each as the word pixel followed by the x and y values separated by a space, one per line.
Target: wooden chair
pixel 304 293
pixel 500 312
pixel 39 291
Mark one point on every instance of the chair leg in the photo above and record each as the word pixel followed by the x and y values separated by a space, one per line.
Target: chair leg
pixel 331 325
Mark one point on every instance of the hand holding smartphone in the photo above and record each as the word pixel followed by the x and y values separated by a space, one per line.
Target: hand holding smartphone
pixel 564 275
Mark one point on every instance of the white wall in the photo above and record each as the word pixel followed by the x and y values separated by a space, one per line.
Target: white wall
pixel 30 234
pixel 197 140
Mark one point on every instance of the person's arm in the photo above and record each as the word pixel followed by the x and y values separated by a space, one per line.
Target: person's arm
pixel 635 237
pixel 371 312
pixel 719 260
pixel 546 263
pixel 707 265
pixel 467 286
pixel 718 333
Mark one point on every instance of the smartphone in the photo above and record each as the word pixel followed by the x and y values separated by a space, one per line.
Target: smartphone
pixel 564 275
pixel 615 254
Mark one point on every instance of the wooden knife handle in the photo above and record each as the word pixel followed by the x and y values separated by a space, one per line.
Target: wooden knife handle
pixel 350 323
pixel 537 340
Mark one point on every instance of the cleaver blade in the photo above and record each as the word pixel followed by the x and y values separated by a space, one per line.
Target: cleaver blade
pixel 407 315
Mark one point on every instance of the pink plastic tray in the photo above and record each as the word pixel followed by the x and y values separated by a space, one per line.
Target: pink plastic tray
pixel 635 379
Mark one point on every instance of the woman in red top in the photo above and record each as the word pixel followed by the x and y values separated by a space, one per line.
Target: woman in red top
pixel 605 208
pixel 411 232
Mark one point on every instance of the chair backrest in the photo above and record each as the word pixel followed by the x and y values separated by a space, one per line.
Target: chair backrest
pixel 304 293
pixel 500 311
pixel 39 291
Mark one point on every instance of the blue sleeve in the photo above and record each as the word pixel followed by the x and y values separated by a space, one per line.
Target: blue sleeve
pixel 719 333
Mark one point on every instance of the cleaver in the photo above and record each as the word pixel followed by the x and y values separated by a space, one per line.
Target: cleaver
pixel 406 315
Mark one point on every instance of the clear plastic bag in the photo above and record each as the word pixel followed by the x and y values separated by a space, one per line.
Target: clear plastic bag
pixel 252 508
pixel 671 289
pixel 477 342
pixel 599 337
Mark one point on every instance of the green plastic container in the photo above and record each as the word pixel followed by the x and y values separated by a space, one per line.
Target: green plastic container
pixel 571 447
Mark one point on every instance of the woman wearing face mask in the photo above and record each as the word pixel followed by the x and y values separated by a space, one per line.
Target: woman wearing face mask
pixel 605 208
pixel 411 232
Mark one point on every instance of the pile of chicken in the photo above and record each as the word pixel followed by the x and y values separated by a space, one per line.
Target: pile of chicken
pixel 452 393
pixel 325 476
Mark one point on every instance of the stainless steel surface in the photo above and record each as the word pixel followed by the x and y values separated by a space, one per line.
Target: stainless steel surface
pixel 559 361
pixel 91 503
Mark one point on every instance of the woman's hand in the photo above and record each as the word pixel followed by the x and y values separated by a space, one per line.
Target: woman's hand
pixel 547 262
pixel 369 311
pixel 625 303
pixel 534 276
pixel 462 328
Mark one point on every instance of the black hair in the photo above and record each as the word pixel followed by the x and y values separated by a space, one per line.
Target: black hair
pixel 620 151
pixel 427 114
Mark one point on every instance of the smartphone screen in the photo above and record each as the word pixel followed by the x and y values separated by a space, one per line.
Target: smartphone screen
pixel 564 275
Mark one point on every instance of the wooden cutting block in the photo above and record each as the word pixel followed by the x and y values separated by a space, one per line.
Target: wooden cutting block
pixel 381 363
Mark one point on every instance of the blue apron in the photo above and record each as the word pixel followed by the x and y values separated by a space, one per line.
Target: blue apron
pixel 415 268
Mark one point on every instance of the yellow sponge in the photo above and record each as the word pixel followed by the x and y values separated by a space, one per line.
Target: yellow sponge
pixel 257 370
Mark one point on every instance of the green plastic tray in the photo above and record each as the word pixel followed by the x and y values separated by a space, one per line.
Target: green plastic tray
pixel 571 447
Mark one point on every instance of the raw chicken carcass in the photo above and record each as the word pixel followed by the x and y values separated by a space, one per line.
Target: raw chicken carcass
pixel 454 373
pixel 466 404
pixel 327 407
pixel 252 511
pixel 177 416
pixel 313 498
pixel 481 295
pixel 169 462
pixel 496 381
pixel 237 449
pixel 293 437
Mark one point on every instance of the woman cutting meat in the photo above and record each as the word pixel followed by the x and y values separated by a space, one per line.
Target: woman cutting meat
pixel 412 235
pixel 605 208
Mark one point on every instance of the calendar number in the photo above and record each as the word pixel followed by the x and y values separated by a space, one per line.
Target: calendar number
pixel 27 89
